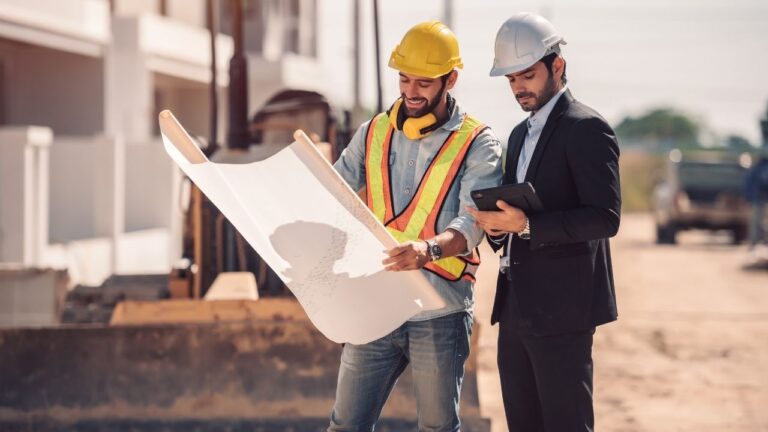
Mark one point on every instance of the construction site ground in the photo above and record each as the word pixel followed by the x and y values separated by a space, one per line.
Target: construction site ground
pixel 690 349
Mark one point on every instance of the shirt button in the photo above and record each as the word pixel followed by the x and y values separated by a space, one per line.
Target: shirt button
pixel 410 163
pixel 407 191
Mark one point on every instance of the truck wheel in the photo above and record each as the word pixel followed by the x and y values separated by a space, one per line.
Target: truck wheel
pixel 666 234
pixel 738 235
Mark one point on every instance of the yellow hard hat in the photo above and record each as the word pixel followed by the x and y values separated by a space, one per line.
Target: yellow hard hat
pixel 428 50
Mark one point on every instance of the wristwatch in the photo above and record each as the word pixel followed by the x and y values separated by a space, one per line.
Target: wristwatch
pixel 434 249
pixel 525 234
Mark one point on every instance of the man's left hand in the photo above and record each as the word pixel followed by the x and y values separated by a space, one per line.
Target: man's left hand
pixel 507 219
pixel 411 255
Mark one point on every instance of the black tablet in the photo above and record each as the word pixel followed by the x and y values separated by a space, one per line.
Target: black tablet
pixel 520 195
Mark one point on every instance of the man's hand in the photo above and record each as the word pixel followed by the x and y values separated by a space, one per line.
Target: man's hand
pixel 507 219
pixel 411 255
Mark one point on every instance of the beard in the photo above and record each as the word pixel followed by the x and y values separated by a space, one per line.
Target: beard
pixel 424 110
pixel 541 99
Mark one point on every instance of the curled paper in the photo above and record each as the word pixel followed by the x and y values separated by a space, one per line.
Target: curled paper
pixel 314 232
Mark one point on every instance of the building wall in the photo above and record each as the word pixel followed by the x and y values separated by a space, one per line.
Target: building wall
pixel 3 90
pixel 192 12
pixel 83 176
pixel 151 186
pixel 109 194
pixel 24 162
pixel 189 12
pixel 135 7
pixel 47 87
pixel 189 101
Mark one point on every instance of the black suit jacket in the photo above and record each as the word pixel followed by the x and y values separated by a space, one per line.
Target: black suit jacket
pixel 562 279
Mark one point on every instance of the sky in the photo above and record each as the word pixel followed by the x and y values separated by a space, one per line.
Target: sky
pixel 707 58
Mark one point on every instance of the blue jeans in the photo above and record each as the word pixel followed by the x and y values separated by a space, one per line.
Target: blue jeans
pixel 436 350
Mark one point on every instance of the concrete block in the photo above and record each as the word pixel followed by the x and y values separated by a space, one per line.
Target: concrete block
pixel 31 297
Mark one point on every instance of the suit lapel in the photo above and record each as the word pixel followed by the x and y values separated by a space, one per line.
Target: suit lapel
pixel 514 147
pixel 560 107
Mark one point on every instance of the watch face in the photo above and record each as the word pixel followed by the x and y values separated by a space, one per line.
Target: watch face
pixel 435 250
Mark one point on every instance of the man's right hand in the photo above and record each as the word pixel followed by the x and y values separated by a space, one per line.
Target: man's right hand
pixel 411 255
pixel 508 219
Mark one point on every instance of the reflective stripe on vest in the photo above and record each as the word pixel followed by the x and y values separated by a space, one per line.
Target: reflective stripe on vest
pixel 377 167
pixel 419 219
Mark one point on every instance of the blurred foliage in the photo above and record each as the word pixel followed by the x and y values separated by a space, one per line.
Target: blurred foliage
pixel 640 172
pixel 661 128
pixel 738 142
pixel 646 139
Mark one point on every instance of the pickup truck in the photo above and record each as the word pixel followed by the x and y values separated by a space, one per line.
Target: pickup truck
pixel 702 191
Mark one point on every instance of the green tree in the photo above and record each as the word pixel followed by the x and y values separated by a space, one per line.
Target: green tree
pixel 661 128
pixel 738 142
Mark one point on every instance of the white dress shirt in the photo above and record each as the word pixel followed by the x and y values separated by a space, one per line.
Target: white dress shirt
pixel 535 125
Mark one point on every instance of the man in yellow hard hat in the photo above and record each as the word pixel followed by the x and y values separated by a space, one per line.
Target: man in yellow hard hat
pixel 418 163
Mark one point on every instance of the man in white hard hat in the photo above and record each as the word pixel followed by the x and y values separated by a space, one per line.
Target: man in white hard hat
pixel 556 283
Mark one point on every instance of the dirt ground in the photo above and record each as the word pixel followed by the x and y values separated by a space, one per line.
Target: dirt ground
pixel 690 349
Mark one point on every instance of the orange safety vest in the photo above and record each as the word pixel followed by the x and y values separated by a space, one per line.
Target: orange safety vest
pixel 419 219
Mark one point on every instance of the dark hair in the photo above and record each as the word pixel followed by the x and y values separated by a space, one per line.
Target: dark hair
pixel 548 60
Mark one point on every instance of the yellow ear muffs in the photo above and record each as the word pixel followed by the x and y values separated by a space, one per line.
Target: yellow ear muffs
pixel 413 127
pixel 417 128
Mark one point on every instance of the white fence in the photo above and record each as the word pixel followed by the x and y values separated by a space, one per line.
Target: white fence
pixel 92 205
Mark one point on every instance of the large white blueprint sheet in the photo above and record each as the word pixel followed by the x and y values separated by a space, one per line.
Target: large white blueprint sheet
pixel 314 232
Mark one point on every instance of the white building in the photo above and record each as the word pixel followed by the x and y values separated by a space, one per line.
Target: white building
pixel 84 181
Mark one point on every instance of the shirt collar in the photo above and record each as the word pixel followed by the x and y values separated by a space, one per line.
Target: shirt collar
pixel 537 120
pixel 456 119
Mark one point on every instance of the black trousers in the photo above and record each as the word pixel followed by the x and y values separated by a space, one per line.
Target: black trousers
pixel 546 381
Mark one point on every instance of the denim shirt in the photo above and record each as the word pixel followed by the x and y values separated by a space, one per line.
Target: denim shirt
pixel 409 160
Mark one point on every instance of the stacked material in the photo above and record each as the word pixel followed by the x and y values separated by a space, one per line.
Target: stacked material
pixel 94 304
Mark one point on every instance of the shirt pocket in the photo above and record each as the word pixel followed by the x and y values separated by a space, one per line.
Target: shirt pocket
pixel 392 157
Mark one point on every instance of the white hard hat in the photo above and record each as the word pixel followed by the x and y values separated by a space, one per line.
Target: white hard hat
pixel 522 40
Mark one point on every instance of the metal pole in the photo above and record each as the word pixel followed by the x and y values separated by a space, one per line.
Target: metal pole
pixel 356 51
pixel 237 136
pixel 197 242
pixel 379 102
pixel 214 102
